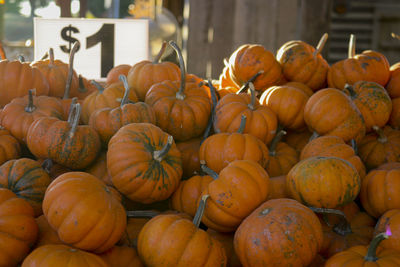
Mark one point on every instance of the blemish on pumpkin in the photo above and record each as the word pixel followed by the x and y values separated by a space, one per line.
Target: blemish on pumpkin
pixel 76 223
pixel 264 212
pixel 364 65
pixel 256 242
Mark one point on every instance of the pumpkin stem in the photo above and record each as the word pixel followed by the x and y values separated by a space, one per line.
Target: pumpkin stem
pixel 98 86
pixel 21 58
pixel 160 154
pixel 73 118
pixel 180 94
pixel 351 91
pixel 343 227
pixel 353 143
pixel 371 253
pixel 142 213
pixel 352 46
pixel 159 55
pixel 251 80
pixel 242 124
pixel 2 52
pixel 125 98
pixel 320 44
pixel 382 138
pixel 275 141
pixel 51 56
pixel 45 56
pixel 30 107
pixel 207 170
pixel 200 211
pixel 212 115
pixel 74 49
pixel 252 95
pixel 81 87
pixel 313 136
pixel 328 211
pixel 47 165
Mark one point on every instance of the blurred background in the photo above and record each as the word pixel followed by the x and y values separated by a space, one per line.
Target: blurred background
pixel 210 30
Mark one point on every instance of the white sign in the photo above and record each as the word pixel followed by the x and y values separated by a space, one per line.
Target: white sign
pixel 104 43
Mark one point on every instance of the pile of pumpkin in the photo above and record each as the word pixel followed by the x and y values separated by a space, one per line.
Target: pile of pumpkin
pixel 284 161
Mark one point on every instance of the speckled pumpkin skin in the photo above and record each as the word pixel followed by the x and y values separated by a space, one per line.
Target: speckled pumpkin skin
pixel 282 160
pixel 280 232
pixel 134 171
pixel 323 182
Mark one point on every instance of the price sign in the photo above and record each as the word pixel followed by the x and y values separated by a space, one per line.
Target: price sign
pixel 104 43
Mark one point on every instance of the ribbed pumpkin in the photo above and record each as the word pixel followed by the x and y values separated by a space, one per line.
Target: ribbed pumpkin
pixel 182 108
pixel 107 121
pixel 65 142
pixel 18 228
pixel 368 66
pixel 190 156
pixel 47 235
pixel 323 182
pixel 372 101
pixel 297 140
pixel 144 163
pixel 379 191
pixel 225 78
pixel 249 59
pixel 17 78
pixel 18 115
pixel 53 169
pixel 333 146
pixel 261 120
pixel 391 219
pixel 173 240
pixel 84 212
pixel 303 63
pixel 277 187
pixel 238 189
pixel 218 150
pixel 27 179
pixel 9 146
pixel 381 147
pixel 115 72
pixel 280 232
pixel 121 256
pixel 62 256
pixel 331 112
pixel 99 168
pixel 393 88
pixel 394 119
pixel 226 239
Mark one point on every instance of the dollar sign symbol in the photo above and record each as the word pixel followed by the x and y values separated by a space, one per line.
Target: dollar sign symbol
pixel 66 33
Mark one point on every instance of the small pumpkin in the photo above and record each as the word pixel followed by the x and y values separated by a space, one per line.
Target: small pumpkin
pixel 297 140
pixel 190 156
pixel 115 72
pixel 47 235
pixel 226 239
pixel 99 169
pixel 390 219
pixel 9 146
pixel 119 256
pixel 277 187
pixel 225 78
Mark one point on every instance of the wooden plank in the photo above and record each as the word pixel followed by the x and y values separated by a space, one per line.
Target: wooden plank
pixel 287 27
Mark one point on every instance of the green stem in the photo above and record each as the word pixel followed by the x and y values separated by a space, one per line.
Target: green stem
pixel 208 171
pixel 51 57
pixel 74 49
pixel 142 213
pixel 382 138
pixel 159 55
pixel 200 211
pixel 73 119
pixel 371 253
pixel 125 98
pixel 251 80
pixel 352 46
pixel 30 107
pixel 21 58
pixel 353 143
pixel 45 56
pixel 313 136
pixel 180 94
pixel 275 141
pixel 351 91
pixel 252 95
pixel 160 154
pixel 242 124
pixel 98 86
pixel 212 115
pixel 343 227
pixel 321 44
pixel 47 165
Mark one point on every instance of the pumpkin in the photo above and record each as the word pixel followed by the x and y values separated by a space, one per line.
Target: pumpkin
pixel 297 140
pixel 379 191
pixel 333 146
pixel 182 108
pixel 323 182
pixel 277 187
pixel 25 178
pixel 261 120
pixel 185 198
pixel 190 156
pixel 394 119
pixel 390 219
pixel 218 150
pixel 47 235
pixel 107 121
pixel 84 211
pixel 280 232
pixel 133 227
pixel 380 147
pixel 18 228
pixel 18 115
pixel 65 142
pixel 238 189
pixel 115 72
pixel 99 169
pixel 303 63
pixel 368 66
pixel 249 59
pixel 144 163
pixel 226 239
pixel 56 73
pixel 143 75
pixel 53 169
pixel 331 112
pixel 225 78
pixel 17 78
pixel 372 101
pixel 9 146
pixel 62 255
pixel 173 240
pixel 373 255
pixel 282 157
pixel 119 256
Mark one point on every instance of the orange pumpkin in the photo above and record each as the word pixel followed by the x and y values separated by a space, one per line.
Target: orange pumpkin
pixel 277 187
pixel 390 219
pixel 226 239
pixel 297 140
pixel 9 146
pixel 18 228
pixel 119 256
pixel 99 169
pixel 303 63
pixel 143 75
pixel 280 232
pixel 323 182
pixel 225 78
pixel 47 235
pixel 84 212
pixel 393 86
pixel 368 66
pixel 190 156
pixel 331 112
pixel 115 72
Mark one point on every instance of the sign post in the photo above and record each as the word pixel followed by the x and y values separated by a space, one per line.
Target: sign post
pixel 104 43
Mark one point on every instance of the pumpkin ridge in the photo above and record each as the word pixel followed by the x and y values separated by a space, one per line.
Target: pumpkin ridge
pixel 23 177
pixel 186 247
pixel 222 208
